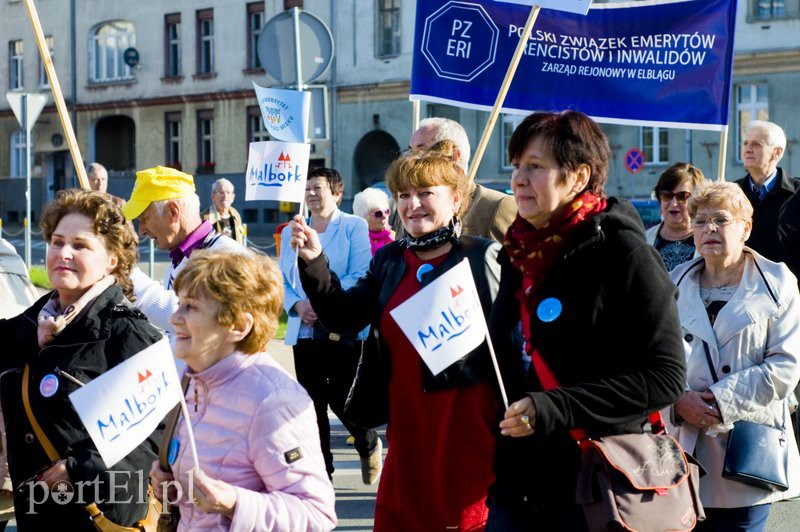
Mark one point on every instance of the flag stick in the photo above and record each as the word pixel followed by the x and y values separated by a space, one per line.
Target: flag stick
pixel 497 370
pixel 414 115
pixel 55 87
pixel 190 432
pixel 723 153
pixel 501 96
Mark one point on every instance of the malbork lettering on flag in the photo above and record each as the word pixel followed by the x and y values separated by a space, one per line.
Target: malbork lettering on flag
pixel 285 112
pixel 124 405
pixel 277 171
pixel 443 321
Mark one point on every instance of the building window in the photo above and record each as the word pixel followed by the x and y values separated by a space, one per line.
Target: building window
pixel 256 132
pixel 655 144
pixel 18 154
pixel 255 21
pixel 172 136
pixel 388 28
pixel 205 41
pixel 767 9
pixel 15 64
pixel 43 81
pixel 508 125
pixel 205 141
pixel 752 103
pixel 108 44
pixel 172 45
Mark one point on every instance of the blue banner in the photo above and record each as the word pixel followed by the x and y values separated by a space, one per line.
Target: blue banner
pixel 656 63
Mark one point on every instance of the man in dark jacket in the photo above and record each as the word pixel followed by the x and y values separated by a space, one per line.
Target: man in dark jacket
pixel 766 185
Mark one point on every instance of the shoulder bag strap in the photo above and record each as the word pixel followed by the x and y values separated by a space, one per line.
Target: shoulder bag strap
pixel 48 447
pixel 710 363
pixel 169 429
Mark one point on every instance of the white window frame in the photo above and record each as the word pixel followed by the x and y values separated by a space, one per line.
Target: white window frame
pixel 749 104
pixel 16 65
pixel 17 152
pixel 44 83
pixel 107 44
pixel 258 132
pixel 772 9
pixel 508 124
pixel 395 38
pixel 205 156
pixel 174 139
pixel 654 156
pixel 206 29
pixel 255 21
pixel 174 68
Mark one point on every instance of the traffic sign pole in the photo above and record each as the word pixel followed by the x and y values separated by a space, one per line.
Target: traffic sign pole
pixel 27 181
pixel 501 96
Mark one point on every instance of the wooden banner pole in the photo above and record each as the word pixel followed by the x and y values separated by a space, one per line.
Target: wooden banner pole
pixel 723 153
pixel 61 107
pixel 501 96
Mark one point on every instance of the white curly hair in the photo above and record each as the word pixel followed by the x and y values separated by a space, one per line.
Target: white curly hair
pixel 368 201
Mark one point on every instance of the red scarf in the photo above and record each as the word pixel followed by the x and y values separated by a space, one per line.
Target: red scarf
pixel 534 251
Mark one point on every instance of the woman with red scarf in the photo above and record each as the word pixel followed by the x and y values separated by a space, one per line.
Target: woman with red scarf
pixel 583 294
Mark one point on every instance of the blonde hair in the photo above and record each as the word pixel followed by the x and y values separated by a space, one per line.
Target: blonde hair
pixel 240 284
pixel 429 169
pixel 722 195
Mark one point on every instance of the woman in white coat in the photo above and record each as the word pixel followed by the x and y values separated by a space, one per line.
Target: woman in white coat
pixel 745 309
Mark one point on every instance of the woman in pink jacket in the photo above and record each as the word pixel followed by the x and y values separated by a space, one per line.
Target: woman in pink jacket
pixel 261 467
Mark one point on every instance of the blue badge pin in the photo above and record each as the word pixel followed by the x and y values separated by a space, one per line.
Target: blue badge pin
pixel 422 270
pixel 549 309
pixel 172 451
pixel 49 385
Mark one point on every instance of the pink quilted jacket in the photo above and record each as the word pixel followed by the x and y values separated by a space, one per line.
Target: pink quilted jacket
pixel 255 428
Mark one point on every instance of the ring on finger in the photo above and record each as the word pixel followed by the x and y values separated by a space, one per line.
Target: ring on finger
pixel 525 420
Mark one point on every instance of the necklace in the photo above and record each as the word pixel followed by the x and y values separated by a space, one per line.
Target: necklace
pixel 728 280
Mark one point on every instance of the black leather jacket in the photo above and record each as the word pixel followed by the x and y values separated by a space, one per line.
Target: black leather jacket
pixel 351 310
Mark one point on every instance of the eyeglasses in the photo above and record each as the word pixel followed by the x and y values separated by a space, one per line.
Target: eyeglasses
pixel 381 214
pixel 681 197
pixel 717 221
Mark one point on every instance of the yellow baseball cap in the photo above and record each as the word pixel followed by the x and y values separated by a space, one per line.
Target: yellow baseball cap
pixel 156 184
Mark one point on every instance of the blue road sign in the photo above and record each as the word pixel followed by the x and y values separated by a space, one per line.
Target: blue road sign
pixel 460 41
pixel 634 160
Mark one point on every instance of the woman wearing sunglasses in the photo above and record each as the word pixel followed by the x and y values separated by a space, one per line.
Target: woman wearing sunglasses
pixel 672 238
pixel 372 204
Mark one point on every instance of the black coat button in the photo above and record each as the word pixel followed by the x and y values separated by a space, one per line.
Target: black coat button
pixel 29 438
pixel 726 369
pixel 688 337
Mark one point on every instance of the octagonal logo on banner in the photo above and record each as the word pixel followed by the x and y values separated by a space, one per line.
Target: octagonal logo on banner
pixel 460 41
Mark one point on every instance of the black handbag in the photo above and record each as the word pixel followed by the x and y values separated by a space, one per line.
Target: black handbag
pixel 367 404
pixel 757 455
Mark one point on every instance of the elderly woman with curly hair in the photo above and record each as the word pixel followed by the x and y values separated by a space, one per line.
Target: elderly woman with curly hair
pixel 372 204
pixel 261 465
pixel 72 335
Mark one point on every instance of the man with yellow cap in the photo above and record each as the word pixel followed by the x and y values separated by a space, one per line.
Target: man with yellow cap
pixel 168 209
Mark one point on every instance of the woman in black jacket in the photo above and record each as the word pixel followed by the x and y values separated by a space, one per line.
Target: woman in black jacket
pixel 441 427
pixel 583 293
pixel 67 338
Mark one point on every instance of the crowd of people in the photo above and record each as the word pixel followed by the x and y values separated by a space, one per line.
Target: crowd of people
pixel 696 317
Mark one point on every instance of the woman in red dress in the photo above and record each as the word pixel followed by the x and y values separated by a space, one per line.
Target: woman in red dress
pixel 441 428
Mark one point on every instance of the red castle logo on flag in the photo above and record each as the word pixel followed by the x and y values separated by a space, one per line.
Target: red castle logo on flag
pixel 284 161
pixel 144 377
pixel 455 292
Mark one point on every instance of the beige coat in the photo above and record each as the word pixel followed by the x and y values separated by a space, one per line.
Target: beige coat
pixel 212 215
pixel 755 348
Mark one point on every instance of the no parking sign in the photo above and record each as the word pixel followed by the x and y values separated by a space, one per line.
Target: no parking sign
pixel 634 160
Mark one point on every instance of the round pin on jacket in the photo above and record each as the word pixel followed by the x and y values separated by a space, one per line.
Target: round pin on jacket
pixel 172 451
pixel 549 309
pixel 422 270
pixel 48 385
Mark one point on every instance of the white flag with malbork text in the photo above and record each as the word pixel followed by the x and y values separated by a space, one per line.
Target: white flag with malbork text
pixel 124 405
pixel 444 321
pixel 277 171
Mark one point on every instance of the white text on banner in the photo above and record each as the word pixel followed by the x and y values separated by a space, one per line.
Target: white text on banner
pixel 124 405
pixel 444 321
pixel 277 171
